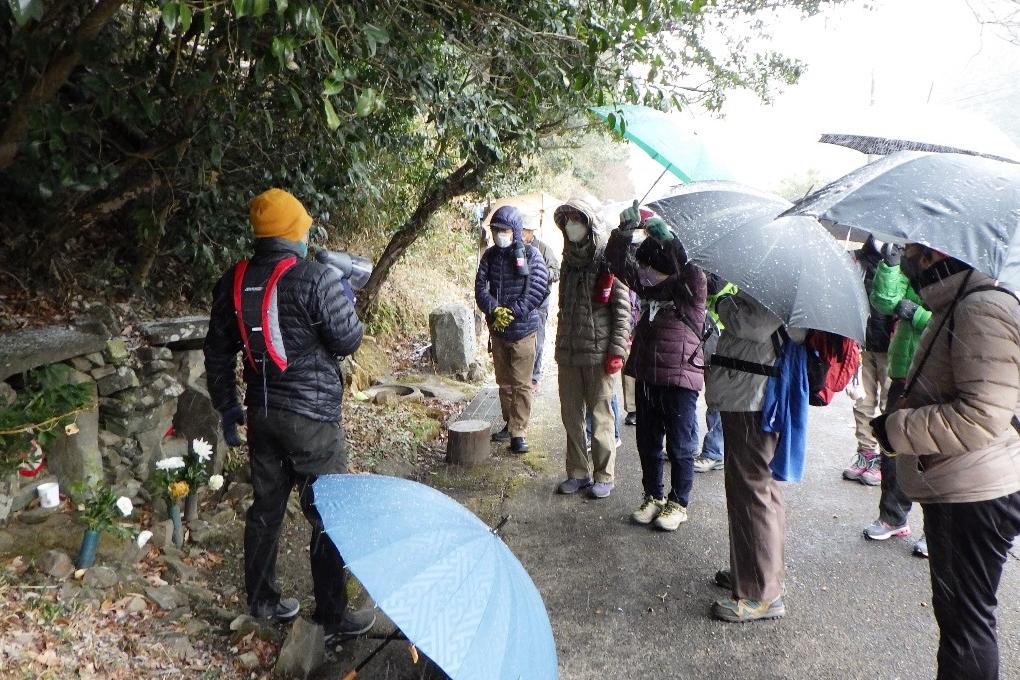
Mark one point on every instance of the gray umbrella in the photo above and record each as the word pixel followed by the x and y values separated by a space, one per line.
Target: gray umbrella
pixel 790 265
pixel 962 205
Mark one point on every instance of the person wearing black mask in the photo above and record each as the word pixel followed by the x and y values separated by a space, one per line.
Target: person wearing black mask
pixel 956 437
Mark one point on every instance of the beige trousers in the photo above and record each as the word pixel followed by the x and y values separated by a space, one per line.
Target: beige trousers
pixel 588 388
pixel 875 384
pixel 755 508
pixel 513 363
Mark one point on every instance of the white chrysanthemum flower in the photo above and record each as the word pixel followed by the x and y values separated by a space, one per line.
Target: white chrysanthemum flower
pixel 125 505
pixel 172 463
pixel 216 482
pixel 143 538
pixel 203 449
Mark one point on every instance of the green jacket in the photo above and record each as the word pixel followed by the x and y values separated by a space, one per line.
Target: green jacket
pixel 889 288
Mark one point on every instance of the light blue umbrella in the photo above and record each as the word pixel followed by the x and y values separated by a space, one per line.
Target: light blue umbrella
pixel 667 140
pixel 441 574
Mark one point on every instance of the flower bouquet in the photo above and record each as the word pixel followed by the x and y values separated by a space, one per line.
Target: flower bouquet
pixel 181 478
pixel 99 509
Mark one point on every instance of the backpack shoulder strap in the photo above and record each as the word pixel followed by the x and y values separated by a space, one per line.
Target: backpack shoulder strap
pixel 270 314
pixel 976 289
pixel 239 270
pixel 1014 421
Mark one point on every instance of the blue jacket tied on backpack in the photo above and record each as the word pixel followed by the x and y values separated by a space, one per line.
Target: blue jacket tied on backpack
pixel 785 411
pixel 499 284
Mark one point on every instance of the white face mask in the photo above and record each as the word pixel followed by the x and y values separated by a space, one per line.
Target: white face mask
pixel 576 231
pixel 503 239
pixel 638 236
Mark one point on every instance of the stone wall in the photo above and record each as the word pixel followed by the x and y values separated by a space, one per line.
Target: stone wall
pixel 152 401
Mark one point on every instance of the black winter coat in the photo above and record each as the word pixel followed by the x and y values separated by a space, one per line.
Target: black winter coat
pixel 497 284
pixel 317 322
pixel 878 333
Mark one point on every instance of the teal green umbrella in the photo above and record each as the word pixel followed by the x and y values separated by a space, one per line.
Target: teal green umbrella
pixel 665 138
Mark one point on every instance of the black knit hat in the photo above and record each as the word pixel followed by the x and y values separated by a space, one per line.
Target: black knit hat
pixel 651 253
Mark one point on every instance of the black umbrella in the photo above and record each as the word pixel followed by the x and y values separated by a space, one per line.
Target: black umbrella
pixel 963 205
pixel 790 265
pixel 883 146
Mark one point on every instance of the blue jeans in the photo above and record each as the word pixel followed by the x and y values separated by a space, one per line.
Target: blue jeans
pixel 615 405
pixel 543 318
pixel 668 412
pixel 712 446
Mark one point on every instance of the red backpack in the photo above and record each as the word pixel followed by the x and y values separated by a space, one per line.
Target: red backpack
pixel 832 362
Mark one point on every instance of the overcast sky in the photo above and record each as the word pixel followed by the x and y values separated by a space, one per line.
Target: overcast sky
pixel 902 55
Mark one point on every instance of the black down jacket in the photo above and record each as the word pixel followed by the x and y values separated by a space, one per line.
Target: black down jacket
pixel 497 283
pixel 317 324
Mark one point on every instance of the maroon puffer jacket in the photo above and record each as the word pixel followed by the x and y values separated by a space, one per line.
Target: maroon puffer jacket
pixel 666 350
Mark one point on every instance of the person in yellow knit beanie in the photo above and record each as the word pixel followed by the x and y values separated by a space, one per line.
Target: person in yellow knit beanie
pixel 276 213
pixel 291 320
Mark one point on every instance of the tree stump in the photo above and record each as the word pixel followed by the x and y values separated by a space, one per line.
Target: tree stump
pixel 468 443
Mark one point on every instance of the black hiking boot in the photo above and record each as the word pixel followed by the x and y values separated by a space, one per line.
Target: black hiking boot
pixel 519 445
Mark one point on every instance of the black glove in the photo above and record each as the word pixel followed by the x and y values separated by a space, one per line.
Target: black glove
pixel 231 418
pixel 891 253
pixel 905 309
pixel 878 429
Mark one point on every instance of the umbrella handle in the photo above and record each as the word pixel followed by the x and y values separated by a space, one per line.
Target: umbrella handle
pixel 352 675
pixel 501 524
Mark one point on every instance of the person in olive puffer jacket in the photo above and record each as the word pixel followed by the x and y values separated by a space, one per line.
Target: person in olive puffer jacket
pixel 591 341
pixel 509 293
pixel 291 320
pixel 666 359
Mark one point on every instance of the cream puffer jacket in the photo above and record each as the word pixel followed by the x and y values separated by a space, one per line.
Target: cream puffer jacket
pixel 953 433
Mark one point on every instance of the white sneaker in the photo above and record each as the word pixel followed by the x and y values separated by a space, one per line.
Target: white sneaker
pixel 672 516
pixel 703 464
pixel 649 510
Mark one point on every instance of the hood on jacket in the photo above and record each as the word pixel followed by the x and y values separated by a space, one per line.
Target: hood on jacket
pixel 596 229
pixel 509 217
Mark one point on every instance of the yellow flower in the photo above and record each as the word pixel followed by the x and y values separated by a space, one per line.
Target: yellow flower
pixel 179 490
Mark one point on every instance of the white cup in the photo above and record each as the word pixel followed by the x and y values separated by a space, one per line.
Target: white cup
pixel 49 494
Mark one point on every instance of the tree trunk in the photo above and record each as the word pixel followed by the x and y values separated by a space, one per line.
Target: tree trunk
pixel 52 79
pixel 468 443
pixel 462 180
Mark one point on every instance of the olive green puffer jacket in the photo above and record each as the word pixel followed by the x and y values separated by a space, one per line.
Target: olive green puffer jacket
pixel 589 331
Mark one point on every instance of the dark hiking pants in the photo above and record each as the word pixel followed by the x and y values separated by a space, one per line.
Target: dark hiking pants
pixel 893 505
pixel 671 413
pixel 968 544
pixel 288 450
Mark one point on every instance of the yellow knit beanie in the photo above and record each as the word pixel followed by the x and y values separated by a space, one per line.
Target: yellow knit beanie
pixel 276 213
